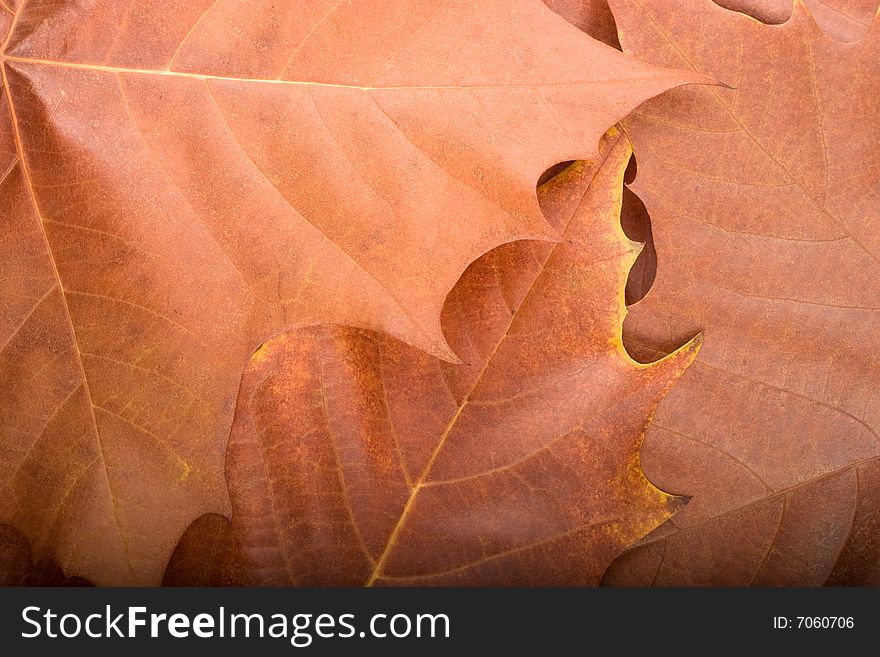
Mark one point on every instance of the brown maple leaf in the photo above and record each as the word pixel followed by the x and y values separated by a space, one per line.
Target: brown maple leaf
pixel 184 179
pixel 764 206
pixel 356 459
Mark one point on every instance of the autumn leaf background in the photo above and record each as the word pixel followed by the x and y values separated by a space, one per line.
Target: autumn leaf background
pixel 476 292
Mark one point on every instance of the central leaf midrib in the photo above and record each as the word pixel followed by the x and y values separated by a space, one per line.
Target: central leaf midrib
pixel 73 335
pixel 426 471
pixel 81 66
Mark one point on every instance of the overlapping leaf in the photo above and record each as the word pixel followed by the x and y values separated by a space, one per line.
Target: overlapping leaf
pixel 185 178
pixel 846 20
pixel 355 459
pixel 764 205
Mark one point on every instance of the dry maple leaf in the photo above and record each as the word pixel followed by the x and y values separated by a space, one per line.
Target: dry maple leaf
pixel 186 178
pixel 764 207
pixel 356 459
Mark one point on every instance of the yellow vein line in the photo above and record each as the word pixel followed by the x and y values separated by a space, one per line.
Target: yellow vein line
pixel 772 540
pixel 306 38
pixel 865 23
pixel 804 302
pixel 818 402
pixel 9 170
pixel 30 449
pixel 852 524
pixel 420 482
pixel 390 57
pixel 736 508
pixel 106 233
pixel 509 467
pixel 505 553
pixel 658 120
pixel 416 323
pixel 303 83
pixel 28 315
pixel 344 154
pixel 817 107
pixel 660 565
pixel 391 427
pixel 345 493
pixel 132 304
pixel 40 371
pixel 91 404
pixel 119 30
pixel 479 192
pixel 56 515
pixel 15 16
pixel 720 451
pixel 189 33
pixel 155 373
pixel 177 188
pixel 187 466
pixel 270 490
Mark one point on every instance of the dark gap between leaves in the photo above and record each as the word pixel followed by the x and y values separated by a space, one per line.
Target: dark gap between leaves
pixel 636 224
